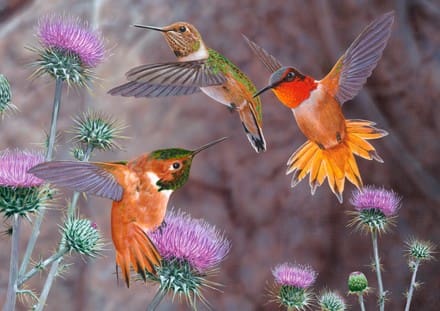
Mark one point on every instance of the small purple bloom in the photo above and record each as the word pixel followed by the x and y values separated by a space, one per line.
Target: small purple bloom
pixel 14 166
pixel 71 35
pixel 370 197
pixel 193 240
pixel 294 275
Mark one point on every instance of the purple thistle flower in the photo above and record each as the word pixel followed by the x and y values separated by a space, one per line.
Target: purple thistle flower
pixel 14 166
pixel 191 240
pixel 71 35
pixel 370 197
pixel 294 275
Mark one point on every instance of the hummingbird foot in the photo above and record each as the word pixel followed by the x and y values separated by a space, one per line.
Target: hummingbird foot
pixel 162 226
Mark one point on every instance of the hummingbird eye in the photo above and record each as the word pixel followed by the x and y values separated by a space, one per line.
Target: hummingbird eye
pixel 182 29
pixel 175 165
pixel 290 76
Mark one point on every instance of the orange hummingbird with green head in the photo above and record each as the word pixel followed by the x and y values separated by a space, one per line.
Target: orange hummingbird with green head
pixel 198 68
pixel 316 106
pixel 140 190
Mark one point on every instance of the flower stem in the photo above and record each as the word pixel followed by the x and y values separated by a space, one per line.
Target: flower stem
pixel 412 286
pixel 41 266
pixel 157 299
pixel 52 134
pixel 378 270
pixel 361 302
pixel 11 294
pixel 48 284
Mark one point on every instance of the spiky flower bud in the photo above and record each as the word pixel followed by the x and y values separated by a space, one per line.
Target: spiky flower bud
pixel 419 250
pixel 97 131
pixel 20 192
pixel 78 153
pixel 291 285
pixel 331 301
pixel 191 250
pixel 5 95
pixel 375 208
pixel 357 283
pixel 69 49
pixel 81 236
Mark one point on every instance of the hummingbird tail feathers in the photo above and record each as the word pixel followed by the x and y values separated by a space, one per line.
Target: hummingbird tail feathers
pixel 336 163
pixel 139 252
pixel 252 128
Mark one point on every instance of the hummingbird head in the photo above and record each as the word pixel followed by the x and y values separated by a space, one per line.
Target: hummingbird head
pixel 172 166
pixel 290 86
pixel 184 39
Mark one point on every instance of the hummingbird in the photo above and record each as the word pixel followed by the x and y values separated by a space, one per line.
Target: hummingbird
pixel 140 190
pixel 333 140
pixel 198 68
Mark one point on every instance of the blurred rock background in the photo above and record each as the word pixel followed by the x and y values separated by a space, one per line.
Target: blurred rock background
pixel 244 193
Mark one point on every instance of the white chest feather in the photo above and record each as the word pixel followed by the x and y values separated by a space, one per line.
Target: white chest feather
pixel 154 179
pixel 308 108
pixel 201 53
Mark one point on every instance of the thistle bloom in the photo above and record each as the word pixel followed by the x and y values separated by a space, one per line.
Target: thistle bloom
pixel 21 192
pixel 191 250
pixel 375 207
pixel 291 285
pixel 69 48
pixel 330 301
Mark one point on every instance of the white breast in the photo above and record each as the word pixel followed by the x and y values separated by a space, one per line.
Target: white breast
pixel 154 179
pixel 202 53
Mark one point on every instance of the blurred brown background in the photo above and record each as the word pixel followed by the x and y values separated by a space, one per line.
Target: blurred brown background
pixel 243 193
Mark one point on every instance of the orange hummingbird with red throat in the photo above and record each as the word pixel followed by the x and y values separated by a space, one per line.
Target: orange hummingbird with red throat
pixel 316 105
pixel 140 190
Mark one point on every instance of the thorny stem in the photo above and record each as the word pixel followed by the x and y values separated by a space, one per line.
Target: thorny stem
pixel 48 284
pixel 361 302
pixel 11 294
pixel 412 286
pixel 377 267
pixel 157 299
pixel 41 266
pixel 52 134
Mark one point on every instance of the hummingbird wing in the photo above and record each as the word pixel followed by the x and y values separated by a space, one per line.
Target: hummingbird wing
pixel 168 79
pixel 270 62
pixel 89 177
pixel 354 67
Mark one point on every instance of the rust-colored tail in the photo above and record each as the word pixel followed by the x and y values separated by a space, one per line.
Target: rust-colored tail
pixel 137 250
pixel 338 162
pixel 252 127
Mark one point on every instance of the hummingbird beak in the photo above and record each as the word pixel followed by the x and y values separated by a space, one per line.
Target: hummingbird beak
pixel 264 89
pixel 208 145
pixel 150 27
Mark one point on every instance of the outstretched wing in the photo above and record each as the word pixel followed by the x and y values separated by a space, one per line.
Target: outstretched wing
pixel 354 67
pixel 89 177
pixel 168 79
pixel 270 62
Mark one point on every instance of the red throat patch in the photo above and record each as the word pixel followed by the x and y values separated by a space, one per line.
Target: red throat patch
pixel 292 94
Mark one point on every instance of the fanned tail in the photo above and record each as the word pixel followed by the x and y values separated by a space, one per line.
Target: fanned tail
pixel 138 251
pixel 252 128
pixel 336 163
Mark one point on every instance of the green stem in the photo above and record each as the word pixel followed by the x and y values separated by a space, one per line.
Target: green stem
pixel 361 302
pixel 39 219
pixel 412 286
pixel 157 299
pixel 41 266
pixel 11 294
pixel 378 270
pixel 48 284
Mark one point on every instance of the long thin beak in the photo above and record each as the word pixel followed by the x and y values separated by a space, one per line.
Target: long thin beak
pixel 151 27
pixel 209 145
pixel 264 89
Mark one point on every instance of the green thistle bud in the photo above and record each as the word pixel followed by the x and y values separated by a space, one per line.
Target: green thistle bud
pixel 81 236
pixel 357 283
pixel 293 297
pixel 420 250
pixel 22 201
pixel 97 130
pixel 78 153
pixel 330 301
pixel 5 95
